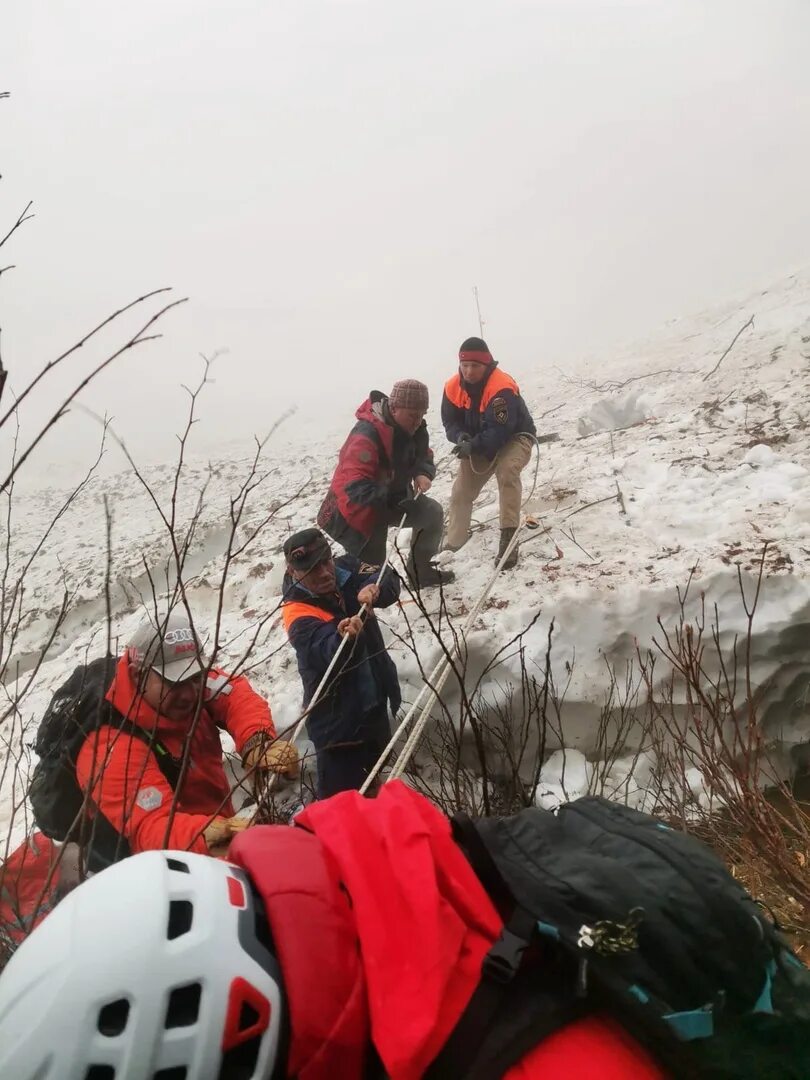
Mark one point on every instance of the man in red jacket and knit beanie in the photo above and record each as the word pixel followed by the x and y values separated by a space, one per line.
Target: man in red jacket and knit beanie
pixel 384 471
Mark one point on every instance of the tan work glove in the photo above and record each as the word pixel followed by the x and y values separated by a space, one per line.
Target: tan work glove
pixel 219 833
pixel 279 757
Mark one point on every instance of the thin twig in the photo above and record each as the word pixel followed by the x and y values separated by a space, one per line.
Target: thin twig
pixel 728 350
pixel 570 536
pixel 79 344
pixel 612 386
pixel 24 216
pixel 587 506
pixel 139 338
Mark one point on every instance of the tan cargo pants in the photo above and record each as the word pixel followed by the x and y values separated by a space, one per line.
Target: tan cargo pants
pixel 474 472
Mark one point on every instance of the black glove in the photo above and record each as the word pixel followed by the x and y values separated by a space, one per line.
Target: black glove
pixel 463 447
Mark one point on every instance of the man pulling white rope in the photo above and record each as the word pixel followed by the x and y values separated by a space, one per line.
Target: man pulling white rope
pixel 350 686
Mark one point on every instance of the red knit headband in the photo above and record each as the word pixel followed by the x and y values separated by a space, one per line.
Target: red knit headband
pixel 475 357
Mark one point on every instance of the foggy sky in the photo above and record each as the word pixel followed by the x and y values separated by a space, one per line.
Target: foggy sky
pixel 326 181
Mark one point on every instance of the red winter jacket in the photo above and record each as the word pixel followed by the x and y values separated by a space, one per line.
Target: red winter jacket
pixel 29 886
pixel 381 927
pixel 127 784
pixel 375 470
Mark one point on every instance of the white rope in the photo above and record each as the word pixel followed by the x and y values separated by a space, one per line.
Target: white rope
pixel 410 745
pixel 405 721
pixel 437 678
pixel 491 467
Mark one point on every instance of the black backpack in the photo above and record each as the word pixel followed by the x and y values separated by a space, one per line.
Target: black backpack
pixel 608 910
pixel 77 709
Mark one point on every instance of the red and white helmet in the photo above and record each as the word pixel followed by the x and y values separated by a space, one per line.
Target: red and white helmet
pixel 158 968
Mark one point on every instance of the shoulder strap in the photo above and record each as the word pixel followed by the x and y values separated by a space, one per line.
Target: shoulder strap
pixel 103 843
pixel 170 766
pixel 468 838
pixel 495 997
pixel 508 1012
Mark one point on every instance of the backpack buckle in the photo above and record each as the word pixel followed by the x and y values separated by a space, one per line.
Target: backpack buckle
pixel 610 938
pixel 586 937
pixel 504 958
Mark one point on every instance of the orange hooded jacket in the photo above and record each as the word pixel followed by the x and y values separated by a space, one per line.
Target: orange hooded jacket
pixel 124 778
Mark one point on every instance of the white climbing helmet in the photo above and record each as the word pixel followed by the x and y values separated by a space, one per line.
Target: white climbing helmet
pixel 158 968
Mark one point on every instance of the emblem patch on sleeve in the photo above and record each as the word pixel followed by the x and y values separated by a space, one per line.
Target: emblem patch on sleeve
pixel 500 410
pixel 148 798
pixel 369 568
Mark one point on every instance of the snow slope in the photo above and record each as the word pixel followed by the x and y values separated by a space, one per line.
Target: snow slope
pixel 699 470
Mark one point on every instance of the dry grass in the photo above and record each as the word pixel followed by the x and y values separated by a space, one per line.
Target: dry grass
pixel 755 869
pixel 756 874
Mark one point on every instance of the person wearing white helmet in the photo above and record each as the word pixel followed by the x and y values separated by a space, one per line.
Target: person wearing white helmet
pixel 156 969
pixel 344 948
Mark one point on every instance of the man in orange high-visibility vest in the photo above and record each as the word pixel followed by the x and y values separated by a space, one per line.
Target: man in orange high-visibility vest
pixel 322 600
pixel 493 431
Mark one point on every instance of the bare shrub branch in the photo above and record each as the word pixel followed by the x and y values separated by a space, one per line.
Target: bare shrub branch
pixel 709 374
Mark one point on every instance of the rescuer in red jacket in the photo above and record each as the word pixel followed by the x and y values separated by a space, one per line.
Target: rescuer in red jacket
pixel 384 472
pixel 345 948
pixel 33 878
pixel 164 687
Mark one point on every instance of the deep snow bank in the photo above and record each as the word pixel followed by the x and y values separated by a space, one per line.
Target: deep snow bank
pixel 716 466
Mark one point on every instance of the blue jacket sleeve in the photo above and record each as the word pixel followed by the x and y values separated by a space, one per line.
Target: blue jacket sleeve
pixel 389 586
pixel 499 423
pixel 362 574
pixel 452 419
pixel 315 642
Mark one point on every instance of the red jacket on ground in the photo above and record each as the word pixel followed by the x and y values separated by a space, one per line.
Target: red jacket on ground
pixel 381 927
pixel 29 881
pixel 127 784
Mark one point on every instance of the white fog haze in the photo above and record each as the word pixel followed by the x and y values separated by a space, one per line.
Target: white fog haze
pixel 252 578
pixel 326 181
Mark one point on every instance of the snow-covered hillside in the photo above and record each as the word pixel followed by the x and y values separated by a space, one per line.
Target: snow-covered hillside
pixel 703 467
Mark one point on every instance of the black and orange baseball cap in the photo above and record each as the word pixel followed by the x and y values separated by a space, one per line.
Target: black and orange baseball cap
pixel 305 549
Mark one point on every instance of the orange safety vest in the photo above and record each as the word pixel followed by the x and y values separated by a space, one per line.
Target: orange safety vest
pixel 498 381
pixel 291 610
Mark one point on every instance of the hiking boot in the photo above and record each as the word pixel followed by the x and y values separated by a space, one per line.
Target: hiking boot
pixel 506 536
pixel 429 577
